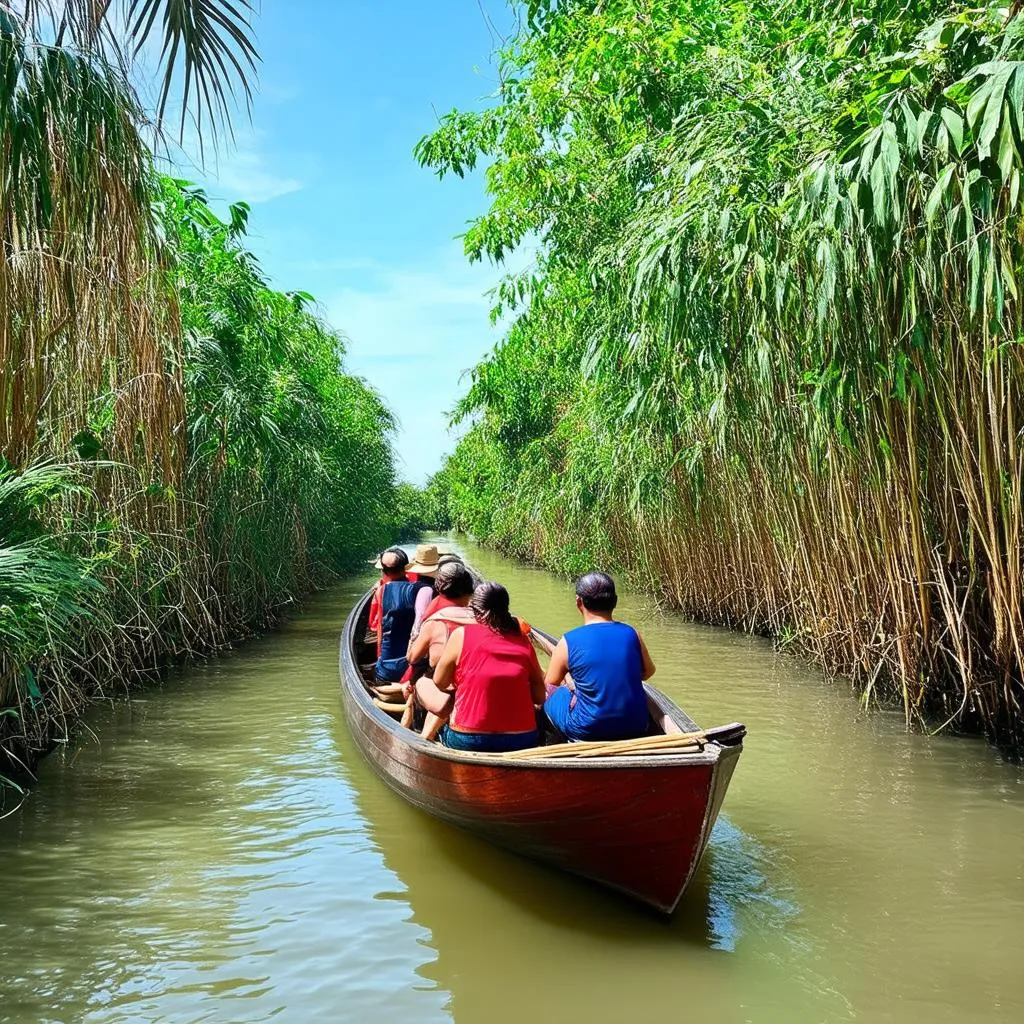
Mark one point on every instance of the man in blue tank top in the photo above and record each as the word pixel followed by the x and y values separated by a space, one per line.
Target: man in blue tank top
pixel 402 603
pixel 595 679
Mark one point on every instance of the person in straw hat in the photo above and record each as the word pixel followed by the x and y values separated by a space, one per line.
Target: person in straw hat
pixel 426 560
pixel 425 564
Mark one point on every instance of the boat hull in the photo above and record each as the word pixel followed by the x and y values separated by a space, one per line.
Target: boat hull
pixel 636 824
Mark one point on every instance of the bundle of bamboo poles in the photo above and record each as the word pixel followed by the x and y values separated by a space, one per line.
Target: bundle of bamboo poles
pixel 674 743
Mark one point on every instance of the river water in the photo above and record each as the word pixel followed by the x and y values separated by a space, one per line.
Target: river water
pixel 217 851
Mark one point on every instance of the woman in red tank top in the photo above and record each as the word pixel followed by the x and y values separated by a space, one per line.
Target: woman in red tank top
pixel 493 671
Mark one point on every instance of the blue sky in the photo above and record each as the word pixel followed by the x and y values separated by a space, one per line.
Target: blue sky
pixel 340 207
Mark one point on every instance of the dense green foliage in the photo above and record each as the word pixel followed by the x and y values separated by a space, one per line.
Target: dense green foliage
pixel 182 454
pixel 769 359
pixel 283 444
pixel 106 570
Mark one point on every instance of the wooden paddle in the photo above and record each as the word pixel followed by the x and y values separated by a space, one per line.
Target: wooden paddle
pixel 545 642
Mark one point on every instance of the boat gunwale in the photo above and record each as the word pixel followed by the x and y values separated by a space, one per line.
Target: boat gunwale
pixel 355 687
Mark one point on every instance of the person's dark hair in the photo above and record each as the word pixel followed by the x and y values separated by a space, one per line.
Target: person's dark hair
pixel 597 592
pixel 396 563
pixel 453 580
pixel 490 608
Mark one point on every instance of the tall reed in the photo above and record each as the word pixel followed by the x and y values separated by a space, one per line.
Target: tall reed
pixel 182 455
pixel 282 478
pixel 778 296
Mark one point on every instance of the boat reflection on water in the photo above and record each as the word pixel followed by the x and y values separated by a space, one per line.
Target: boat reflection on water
pixel 737 887
pixel 511 936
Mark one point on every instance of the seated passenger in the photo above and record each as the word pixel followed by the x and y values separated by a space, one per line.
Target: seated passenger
pixel 402 604
pixel 449 610
pixel 424 566
pixel 495 676
pixel 602 665
pixel 395 559
pixel 442 599
pixel 454 586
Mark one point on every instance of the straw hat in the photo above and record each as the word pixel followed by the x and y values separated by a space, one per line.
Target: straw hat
pixel 426 561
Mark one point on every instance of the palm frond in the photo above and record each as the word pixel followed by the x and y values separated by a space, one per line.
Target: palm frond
pixel 206 47
pixel 209 43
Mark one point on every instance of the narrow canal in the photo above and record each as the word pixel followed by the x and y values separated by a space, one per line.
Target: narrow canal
pixel 218 852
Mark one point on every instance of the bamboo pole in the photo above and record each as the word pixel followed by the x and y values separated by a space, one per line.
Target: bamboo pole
pixel 600 748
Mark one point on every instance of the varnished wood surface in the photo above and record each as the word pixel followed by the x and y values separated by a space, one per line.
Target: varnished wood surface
pixel 638 824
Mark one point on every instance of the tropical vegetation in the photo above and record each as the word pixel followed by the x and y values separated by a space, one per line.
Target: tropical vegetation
pixel 769 358
pixel 182 454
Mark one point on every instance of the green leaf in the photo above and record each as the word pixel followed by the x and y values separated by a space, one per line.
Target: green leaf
pixel 954 126
pixel 938 193
pixel 33 687
pixel 899 385
pixel 993 108
pixel 1007 150
pixel 1008 278
pixel 883 174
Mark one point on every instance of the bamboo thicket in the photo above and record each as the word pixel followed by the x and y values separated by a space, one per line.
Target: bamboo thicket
pixel 182 454
pixel 770 358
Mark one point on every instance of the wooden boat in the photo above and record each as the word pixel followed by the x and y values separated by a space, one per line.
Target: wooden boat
pixel 637 822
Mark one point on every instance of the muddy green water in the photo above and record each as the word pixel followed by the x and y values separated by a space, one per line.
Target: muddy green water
pixel 218 852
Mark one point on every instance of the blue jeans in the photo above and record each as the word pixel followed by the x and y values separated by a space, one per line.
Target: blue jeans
pixel 564 716
pixel 488 742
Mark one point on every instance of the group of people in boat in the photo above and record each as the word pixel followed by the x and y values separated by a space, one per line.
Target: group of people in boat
pixel 456 648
